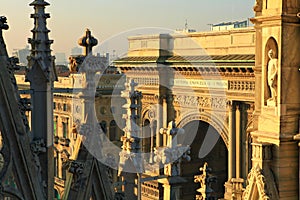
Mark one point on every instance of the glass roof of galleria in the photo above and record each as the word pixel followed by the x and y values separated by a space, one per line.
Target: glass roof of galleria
pixel 232 59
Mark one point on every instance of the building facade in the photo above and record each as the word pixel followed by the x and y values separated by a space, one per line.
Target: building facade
pixel 237 84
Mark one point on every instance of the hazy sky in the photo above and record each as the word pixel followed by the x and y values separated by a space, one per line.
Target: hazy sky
pixel 70 18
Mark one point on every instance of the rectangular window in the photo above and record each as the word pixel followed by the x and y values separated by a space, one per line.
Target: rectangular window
pixel 55 166
pixel 65 129
pixel 65 107
pixel 55 128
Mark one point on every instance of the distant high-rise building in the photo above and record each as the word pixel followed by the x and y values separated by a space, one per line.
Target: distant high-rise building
pixel 229 25
pixel 22 55
pixel 60 59
pixel 76 51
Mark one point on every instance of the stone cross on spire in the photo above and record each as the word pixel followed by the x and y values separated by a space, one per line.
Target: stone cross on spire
pixel 87 41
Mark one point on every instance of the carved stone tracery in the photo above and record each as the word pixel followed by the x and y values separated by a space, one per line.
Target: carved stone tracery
pixel 76 168
pixel 262 180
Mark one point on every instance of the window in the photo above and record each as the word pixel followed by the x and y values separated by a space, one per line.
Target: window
pixel 146 140
pixel 55 126
pixel 65 129
pixel 65 107
pixel 112 130
pixel 63 173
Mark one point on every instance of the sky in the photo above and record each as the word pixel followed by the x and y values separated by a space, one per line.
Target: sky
pixel 107 18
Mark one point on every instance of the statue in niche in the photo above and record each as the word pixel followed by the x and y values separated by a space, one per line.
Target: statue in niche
pixel 272 77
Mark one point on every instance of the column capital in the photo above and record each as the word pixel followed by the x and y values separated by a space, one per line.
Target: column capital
pixel 231 105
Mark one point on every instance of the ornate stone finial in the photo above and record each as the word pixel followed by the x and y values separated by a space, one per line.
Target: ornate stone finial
pixel 3 23
pixel 87 41
pixel 205 180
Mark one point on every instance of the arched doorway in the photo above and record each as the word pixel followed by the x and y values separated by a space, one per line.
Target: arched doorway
pixel 206 146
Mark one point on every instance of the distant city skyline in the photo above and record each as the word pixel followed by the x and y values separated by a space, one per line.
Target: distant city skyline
pixel 108 18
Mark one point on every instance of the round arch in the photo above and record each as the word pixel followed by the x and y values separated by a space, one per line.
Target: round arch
pixel 206 146
pixel 215 121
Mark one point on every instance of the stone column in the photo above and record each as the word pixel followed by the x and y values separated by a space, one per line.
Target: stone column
pixel 159 121
pixel 231 150
pixel 165 122
pixel 297 137
pixel 244 142
pixel 238 151
pixel 241 122
pixel 171 192
pixel 232 141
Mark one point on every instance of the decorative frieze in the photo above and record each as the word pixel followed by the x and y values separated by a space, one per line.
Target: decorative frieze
pixel 238 85
pixel 201 102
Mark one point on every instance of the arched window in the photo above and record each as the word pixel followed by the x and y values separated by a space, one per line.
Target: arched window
pixel 112 130
pixel 154 127
pixel 65 129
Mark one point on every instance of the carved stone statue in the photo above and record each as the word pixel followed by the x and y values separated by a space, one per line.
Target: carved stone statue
pixel 258 6
pixel 272 76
